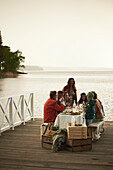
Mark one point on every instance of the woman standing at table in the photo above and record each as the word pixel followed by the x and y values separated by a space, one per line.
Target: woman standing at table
pixel 71 89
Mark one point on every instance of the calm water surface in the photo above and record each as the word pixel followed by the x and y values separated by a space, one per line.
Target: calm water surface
pixel 40 83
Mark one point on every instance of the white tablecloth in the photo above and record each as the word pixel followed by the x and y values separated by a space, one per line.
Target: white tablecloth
pixel 62 120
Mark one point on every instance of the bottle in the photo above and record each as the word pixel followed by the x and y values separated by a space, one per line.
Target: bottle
pixel 83 103
pixel 75 123
pixel 83 106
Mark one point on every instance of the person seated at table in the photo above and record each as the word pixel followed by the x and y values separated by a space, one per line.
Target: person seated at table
pixel 98 108
pixel 71 89
pixel 67 99
pixel 60 95
pixel 83 99
pixel 51 107
pixel 89 109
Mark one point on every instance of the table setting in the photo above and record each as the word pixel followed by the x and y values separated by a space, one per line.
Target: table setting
pixel 71 116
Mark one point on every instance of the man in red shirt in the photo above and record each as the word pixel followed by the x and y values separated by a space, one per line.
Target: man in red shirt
pixel 51 107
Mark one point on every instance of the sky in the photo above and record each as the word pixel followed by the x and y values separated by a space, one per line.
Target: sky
pixel 63 33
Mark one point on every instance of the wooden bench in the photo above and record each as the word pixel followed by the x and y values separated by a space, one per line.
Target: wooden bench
pixel 95 129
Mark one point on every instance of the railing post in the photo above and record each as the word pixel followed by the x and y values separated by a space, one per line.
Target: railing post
pixel 0 126
pixel 11 116
pixel 32 105
pixel 22 110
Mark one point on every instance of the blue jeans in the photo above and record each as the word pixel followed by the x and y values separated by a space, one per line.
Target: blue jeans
pixel 88 121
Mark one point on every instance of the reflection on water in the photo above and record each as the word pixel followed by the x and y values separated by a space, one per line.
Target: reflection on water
pixel 40 83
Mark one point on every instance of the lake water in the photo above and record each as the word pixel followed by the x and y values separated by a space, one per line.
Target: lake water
pixel 41 83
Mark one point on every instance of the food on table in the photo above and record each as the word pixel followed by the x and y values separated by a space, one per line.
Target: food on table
pixel 75 113
pixel 79 124
pixel 63 113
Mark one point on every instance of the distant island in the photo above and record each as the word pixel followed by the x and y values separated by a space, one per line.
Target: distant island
pixel 81 69
pixel 33 68
pixel 63 69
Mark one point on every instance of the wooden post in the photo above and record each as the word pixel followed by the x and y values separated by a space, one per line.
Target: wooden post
pixel 22 110
pixel 11 116
pixel 32 105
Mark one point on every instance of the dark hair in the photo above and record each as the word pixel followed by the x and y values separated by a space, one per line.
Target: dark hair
pixel 70 80
pixel 60 92
pixel 52 94
pixel 81 100
pixel 95 94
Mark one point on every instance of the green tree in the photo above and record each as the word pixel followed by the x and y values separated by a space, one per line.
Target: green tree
pixel 12 60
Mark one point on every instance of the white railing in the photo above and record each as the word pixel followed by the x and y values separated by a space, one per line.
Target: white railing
pixel 16 110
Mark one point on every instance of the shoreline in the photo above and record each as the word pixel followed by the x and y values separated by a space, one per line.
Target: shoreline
pixel 11 74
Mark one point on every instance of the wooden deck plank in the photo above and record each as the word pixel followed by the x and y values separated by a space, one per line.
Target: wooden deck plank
pixel 21 149
pixel 53 165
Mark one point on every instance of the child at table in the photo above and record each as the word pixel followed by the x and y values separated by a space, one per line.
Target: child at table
pixel 89 109
pixel 60 95
pixel 66 99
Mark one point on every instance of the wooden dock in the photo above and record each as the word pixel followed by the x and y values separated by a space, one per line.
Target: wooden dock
pixel 21 149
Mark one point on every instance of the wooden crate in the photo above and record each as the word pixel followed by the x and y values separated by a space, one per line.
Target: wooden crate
pixel 72 145
pixel 47 142
pixel 50 132
pixel 75 145
pixel 43 129
pixel 77 132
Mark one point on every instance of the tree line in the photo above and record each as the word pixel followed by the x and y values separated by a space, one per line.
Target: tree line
pixel 10 61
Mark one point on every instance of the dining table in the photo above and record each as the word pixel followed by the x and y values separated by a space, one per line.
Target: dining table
pixel 62 120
